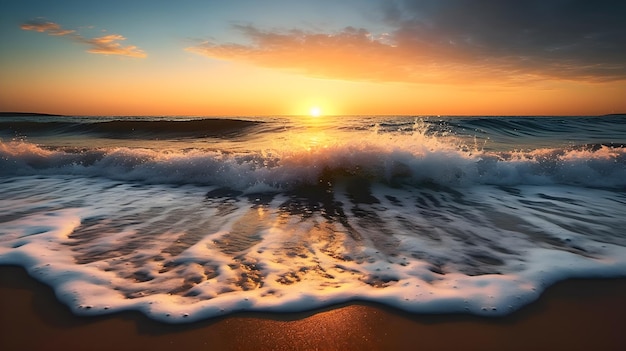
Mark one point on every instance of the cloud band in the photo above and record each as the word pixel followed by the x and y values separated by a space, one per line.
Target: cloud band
pixel 106 45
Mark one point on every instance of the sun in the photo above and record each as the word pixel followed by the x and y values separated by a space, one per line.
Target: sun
pixel 315 111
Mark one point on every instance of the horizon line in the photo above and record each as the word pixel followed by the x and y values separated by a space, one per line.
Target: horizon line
pixel 34 114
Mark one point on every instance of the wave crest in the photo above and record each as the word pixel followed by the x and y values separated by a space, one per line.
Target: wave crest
pixel 395 165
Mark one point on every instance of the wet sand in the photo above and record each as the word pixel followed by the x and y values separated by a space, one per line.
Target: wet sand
pixel 572 315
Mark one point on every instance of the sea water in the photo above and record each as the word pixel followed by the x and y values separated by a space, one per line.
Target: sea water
pixel 190 218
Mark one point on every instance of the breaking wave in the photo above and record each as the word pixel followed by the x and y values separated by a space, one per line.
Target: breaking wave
pixel 590 166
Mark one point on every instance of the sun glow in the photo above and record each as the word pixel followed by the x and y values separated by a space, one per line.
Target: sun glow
pixel 315 111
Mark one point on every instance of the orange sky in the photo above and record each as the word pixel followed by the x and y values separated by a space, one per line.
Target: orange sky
pixel 377 61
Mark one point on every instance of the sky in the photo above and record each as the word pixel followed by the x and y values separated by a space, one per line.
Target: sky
pixel 280 57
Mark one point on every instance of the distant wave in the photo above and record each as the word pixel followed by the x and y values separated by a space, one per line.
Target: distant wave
pixel 609 129
pixel 543 124
pixel 28 114
pixel 210 127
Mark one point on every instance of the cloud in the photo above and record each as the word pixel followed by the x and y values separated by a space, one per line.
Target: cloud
pixel 454 41
pixel 558 39
pixel 347 54
pixel 107 45
pixel 49 27
pixel 352 54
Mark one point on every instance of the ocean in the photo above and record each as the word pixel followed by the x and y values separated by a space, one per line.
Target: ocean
pixel 188 218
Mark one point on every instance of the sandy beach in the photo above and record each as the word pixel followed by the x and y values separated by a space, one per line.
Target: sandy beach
pixel 576 314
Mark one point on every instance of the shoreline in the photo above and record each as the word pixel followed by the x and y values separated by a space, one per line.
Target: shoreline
pixel 573 314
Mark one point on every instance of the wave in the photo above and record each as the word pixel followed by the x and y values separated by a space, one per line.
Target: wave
pixel 401 212
pixel 564 128
pixel 593 166
pixel 121 129
pixel 542 125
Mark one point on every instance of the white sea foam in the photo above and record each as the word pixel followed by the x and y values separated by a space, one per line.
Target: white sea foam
pixel 184 253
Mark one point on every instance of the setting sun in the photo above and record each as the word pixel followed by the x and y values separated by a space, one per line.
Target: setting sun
pixel 315 111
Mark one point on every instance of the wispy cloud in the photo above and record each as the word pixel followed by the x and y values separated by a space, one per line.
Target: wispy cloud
pixel 107 45
pixel 452 42
pixel 49 27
